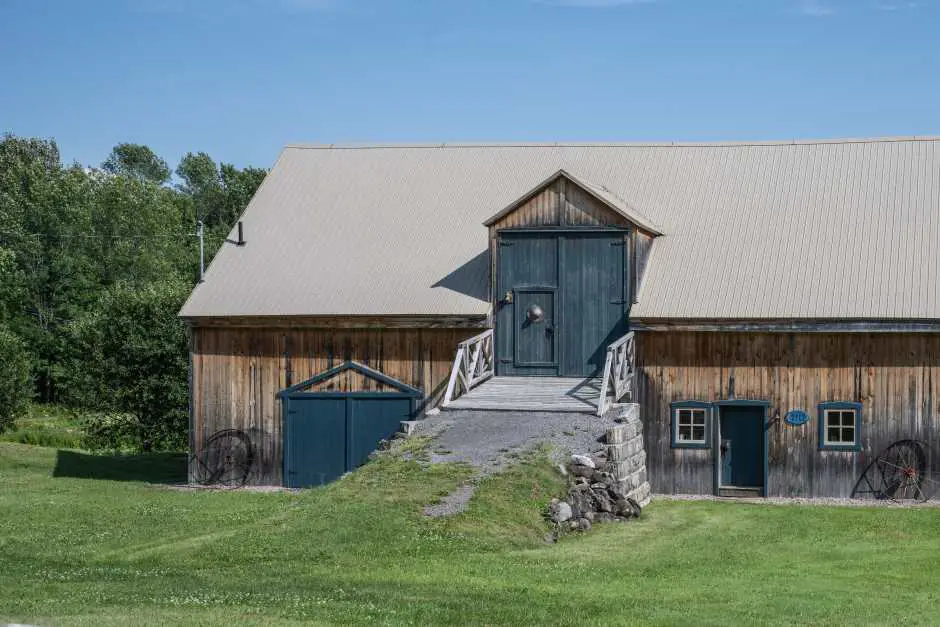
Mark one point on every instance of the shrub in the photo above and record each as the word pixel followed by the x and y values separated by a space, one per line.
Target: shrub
pixel 112 431
pixel 14 377
pixel 131 357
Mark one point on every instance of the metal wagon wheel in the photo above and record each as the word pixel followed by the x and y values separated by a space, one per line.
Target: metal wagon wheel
pixel 226 459
pixel 899 473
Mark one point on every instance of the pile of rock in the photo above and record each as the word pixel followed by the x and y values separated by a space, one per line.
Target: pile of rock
pixel 594 495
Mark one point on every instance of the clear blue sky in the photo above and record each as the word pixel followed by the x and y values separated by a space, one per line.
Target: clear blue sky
pixel 240 78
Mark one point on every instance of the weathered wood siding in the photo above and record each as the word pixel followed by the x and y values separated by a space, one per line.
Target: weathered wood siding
pixel 896 377
pixel 540 210
pixel 236 373
pixel 582 209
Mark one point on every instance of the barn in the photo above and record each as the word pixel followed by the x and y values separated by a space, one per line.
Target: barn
pixel 772 308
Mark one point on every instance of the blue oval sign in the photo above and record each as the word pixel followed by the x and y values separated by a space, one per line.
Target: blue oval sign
pixel 796 417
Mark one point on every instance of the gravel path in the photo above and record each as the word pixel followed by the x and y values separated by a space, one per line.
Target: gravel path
pixel 453 503
pixel 489 440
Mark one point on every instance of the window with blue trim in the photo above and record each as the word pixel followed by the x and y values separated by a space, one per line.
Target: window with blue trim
pixel 840 426
pixel 691 424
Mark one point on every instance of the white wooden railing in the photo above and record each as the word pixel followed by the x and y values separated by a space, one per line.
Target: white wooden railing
pixel 619 373
pixel 472 366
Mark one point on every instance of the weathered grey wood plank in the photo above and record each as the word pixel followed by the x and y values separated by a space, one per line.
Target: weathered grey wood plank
pixel 533 394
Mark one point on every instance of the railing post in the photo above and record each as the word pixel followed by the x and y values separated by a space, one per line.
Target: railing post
pixel 473 364
pixel 452 382
pixel 605 380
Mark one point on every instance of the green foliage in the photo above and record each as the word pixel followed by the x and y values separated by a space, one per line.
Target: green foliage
pixel 113 551
pixel 219 192
pixel 77 245
pixel 131 355
pixel 138 162
pixel 112 432
pixel 14 377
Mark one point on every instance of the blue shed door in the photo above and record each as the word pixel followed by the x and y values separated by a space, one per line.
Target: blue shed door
pixel 330 434
pixel 742 446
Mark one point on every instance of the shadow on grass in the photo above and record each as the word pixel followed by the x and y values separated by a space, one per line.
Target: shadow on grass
pixel 168 468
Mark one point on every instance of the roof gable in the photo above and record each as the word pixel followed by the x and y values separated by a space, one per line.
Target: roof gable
pixel 380 378
pixel 598 192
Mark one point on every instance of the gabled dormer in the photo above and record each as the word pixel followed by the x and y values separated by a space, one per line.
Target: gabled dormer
pixel 567 258
pixel 565 200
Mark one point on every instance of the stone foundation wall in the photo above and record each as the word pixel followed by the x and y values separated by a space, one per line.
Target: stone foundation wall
pixel 626 455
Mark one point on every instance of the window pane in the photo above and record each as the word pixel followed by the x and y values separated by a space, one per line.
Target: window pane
pixel 834 434
pixel 698 433
pixel 848 434
pixel 684 432
pixel 848 418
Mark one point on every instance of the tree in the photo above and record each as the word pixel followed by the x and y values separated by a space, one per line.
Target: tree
pixel 219 192
pixel 137 162
pixel 94 268
pixel 14 377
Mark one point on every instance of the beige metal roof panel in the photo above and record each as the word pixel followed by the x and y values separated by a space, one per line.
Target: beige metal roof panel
pixel 821 229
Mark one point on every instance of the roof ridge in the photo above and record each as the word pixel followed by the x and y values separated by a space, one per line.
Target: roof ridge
pixel 677 144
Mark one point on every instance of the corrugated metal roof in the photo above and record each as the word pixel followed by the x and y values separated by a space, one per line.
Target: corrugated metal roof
pixel 815 229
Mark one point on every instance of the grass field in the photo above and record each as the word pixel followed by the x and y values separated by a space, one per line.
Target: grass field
pixel 76 549
pixel 46 425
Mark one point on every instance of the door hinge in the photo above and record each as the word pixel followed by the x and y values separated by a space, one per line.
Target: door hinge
pixel 505 360
pixel 620 243
pixel 618 302
pixel 502 243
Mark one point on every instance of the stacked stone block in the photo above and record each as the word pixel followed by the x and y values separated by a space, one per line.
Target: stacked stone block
pixel 626 455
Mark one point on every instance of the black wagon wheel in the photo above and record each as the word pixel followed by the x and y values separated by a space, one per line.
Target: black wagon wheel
pixel 899 473
pixel 226 459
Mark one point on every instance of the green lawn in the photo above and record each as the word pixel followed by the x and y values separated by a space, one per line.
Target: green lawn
pixel 80 550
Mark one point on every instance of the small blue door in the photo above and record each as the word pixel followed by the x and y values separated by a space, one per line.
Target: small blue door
pixel 534 327
pixel 328 434
pixel 742 446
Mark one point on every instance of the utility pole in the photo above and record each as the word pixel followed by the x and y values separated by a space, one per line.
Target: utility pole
pixel 200 233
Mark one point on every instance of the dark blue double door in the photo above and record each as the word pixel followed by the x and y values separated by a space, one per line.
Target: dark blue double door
pixel 328 434
pixel 561 300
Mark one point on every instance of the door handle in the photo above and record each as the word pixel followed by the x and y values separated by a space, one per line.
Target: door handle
pixel 549 328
